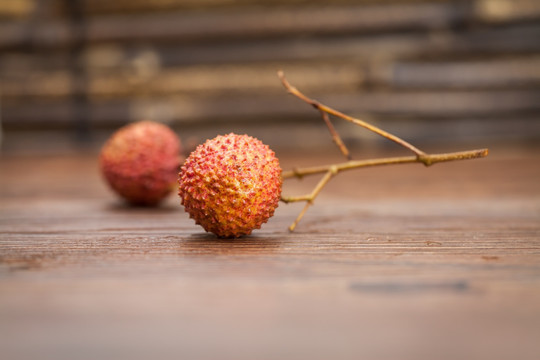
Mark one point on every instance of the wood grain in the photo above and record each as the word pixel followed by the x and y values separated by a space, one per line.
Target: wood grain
pixel 398 262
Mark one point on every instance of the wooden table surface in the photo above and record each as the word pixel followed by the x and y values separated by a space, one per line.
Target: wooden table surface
pixel 400 262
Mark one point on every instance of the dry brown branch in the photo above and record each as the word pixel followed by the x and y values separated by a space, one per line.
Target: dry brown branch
pixel 335 136
pixel 333 169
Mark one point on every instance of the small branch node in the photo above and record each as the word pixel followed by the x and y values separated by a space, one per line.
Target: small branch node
pixel 425 159
pixel 298 174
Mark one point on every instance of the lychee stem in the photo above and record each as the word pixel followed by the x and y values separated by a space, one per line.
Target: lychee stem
pixel 323 108
pixel 335 136
pixel 430 159
pixel 332 170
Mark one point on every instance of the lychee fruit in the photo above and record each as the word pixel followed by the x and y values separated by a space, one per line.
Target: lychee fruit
pixel 140 162
pixel 231 185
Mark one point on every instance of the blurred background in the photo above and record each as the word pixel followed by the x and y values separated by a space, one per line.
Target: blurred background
pixel 434 72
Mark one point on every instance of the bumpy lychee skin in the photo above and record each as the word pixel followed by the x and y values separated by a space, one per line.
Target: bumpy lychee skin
pixel 140 162
pixel 231 185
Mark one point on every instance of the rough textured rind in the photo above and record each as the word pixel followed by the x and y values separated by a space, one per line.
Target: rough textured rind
pixel 140 162
pixel 231 185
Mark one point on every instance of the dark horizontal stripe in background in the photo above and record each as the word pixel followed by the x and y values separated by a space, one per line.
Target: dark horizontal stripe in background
pixel 413 287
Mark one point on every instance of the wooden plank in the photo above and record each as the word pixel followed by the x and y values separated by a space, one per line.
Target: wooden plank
pixel 18 67
pixel 474 44
pixel 493 73
pixel 147 78
pixel 295 134
pixel 185 108
pixel 249 23
pixel 503 11
pixel 16 9
pixel 126 6
pixel 244 23
pixel 414 264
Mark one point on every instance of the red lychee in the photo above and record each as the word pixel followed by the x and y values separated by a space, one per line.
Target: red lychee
pixel 231 185
pixel 140 162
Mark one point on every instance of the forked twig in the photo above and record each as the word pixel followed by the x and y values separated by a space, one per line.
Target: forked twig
pixel 332 170
pixel 317 105
pixel 335 136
